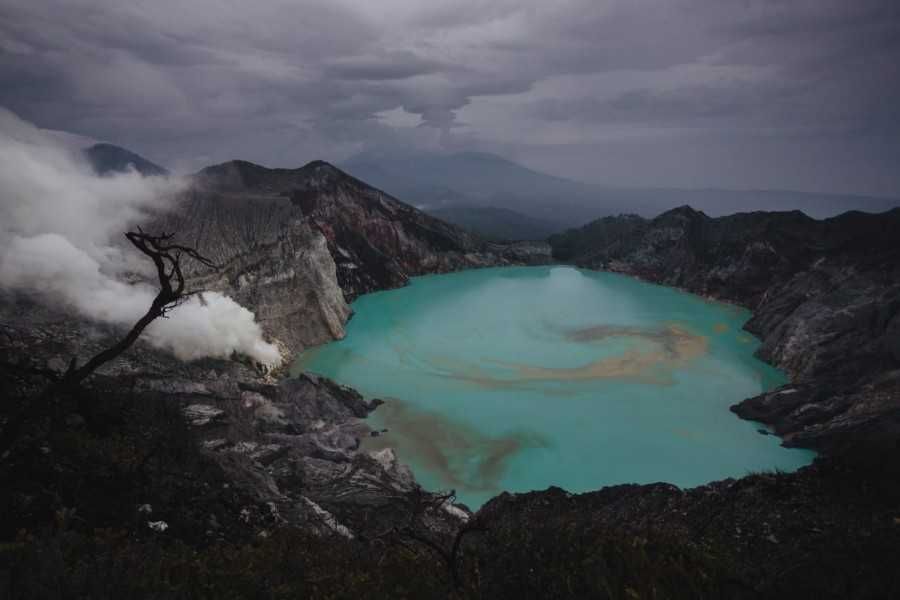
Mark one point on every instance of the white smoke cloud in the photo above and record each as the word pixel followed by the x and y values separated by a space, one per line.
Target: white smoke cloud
pixel 58 221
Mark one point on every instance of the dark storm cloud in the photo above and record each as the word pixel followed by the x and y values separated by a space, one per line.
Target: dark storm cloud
pixel 811 63
pixel 282 81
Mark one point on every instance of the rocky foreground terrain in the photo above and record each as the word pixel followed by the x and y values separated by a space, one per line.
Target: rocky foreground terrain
pixel 217 479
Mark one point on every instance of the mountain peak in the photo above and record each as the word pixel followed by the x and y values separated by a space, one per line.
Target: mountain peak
pixel 109 158
pixel 319 164
pixel 684 211
pixel 236 174
pixel 241 175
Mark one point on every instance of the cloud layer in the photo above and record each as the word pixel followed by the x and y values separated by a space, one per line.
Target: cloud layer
pixel 798 94
pixel 59 221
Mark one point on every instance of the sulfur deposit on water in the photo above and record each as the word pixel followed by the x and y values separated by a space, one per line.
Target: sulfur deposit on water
pixel 671 348
pixel 653 355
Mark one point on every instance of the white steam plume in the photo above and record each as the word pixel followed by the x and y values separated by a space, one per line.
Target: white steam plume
pixel 57 223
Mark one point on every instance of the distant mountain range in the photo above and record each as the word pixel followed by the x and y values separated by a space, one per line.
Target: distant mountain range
pixel 435 182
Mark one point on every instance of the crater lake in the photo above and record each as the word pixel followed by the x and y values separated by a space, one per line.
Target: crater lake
pixel 519 378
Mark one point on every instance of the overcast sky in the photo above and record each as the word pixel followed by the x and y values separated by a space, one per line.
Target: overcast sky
pixel 798 94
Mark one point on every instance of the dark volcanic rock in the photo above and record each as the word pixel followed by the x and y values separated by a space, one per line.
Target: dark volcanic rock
pixel 829 530
pixel 825 297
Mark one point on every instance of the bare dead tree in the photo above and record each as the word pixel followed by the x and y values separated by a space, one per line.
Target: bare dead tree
pixel 166 256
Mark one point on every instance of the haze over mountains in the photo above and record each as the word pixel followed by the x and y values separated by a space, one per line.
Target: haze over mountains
pixel 500 199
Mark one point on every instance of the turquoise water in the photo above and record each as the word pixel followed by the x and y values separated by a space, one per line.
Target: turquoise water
pixel 524 377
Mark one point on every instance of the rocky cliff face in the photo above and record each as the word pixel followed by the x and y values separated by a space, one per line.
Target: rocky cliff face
pixel 297 245
pixel 825 297
pixel 270 260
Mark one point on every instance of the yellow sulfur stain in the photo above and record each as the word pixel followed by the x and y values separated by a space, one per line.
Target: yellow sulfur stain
pixel 672 347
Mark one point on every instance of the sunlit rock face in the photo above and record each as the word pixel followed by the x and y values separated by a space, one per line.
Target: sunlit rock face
pixel 524 377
